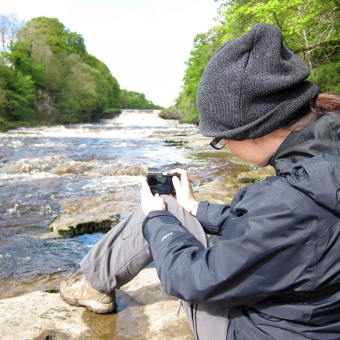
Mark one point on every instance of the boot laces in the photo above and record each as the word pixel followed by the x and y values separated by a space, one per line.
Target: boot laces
pixel 77 280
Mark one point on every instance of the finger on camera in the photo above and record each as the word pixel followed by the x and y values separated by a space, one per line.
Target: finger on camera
pixel 179 171
pixel 184 179
pixel 176 181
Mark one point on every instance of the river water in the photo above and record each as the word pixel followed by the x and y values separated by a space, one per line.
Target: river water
pixel 42 168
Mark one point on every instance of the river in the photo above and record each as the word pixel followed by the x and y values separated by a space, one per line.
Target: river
pixel 44 171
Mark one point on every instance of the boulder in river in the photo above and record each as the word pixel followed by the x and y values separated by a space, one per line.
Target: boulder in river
pixel 71 225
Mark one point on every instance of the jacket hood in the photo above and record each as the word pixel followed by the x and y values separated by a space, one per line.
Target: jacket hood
pixel 311 163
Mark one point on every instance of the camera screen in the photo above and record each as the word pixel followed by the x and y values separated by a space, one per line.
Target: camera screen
pixel 160 184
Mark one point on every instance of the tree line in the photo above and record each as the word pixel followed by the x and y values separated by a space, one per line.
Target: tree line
pixel 47 77
pixel 311 28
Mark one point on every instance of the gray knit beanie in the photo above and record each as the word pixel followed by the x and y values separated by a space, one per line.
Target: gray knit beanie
pixel 252 86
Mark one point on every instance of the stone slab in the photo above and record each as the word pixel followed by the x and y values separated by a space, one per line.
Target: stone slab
pixel 145 312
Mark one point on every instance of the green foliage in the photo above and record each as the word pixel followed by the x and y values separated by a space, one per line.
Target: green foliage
pixel 56 36
pixel 326 76
pixel 111 84
pixel 83 91
pixel 17 95
pixel 302 23
pixel 47 76
pixel 311 29
pixel 135 100
pixel 78 86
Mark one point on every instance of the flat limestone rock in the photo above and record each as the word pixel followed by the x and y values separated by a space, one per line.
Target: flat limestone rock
pixel 70 225
pixel 145 312
pixel 255 175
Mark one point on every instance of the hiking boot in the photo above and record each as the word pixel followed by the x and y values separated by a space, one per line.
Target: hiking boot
pixel 77 291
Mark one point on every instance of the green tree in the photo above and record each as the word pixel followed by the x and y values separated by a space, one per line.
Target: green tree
pixel 112 88
pixel 47 76
pixel 135 100
pixel 80 87
pixel 17 96
pixel 86 91
pixel 56 36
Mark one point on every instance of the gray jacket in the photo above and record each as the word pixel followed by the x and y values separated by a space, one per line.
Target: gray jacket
pixel 275 271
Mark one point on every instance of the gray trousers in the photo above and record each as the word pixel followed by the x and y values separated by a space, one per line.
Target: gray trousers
pixel 123 252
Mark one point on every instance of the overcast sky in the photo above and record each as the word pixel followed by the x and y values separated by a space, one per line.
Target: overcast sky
pixel 145 43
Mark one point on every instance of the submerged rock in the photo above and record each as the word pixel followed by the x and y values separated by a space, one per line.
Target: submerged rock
pixel 255 175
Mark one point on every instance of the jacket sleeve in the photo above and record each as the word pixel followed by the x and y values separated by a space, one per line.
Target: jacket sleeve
pixel 259 253
pixel 213 217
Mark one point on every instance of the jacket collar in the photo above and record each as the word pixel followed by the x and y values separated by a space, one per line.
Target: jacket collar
pixel 286 144
pixel 321 136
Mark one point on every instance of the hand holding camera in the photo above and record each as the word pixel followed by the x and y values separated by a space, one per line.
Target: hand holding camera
pixel 175 183
pixel 150 201
pixel 184 193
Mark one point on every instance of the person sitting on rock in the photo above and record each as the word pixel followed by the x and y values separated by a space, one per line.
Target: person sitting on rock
pixel 271 269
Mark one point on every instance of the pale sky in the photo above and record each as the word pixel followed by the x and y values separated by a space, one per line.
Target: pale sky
pixel 144 43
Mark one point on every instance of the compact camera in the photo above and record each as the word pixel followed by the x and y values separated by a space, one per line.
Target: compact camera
pixel 160 182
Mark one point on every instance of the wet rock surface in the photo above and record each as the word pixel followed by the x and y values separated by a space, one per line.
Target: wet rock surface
pixel 145 311
pixel 71 225
pixel 255 175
